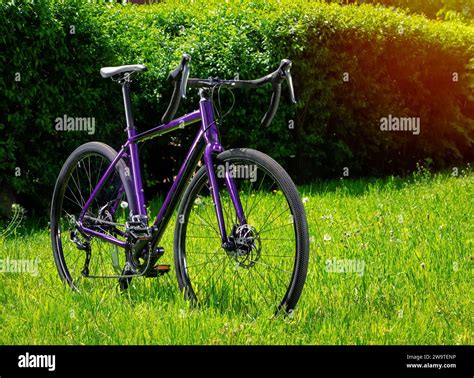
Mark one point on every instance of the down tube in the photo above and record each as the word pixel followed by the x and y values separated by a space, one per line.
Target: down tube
pixel 177 189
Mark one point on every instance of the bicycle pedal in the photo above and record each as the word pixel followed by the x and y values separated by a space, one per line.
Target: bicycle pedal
pixel 159 270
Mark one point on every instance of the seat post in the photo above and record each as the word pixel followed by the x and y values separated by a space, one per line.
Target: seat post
pixel 128 107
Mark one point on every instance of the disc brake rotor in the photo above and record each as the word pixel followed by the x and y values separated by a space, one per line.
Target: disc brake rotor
pixel 247 246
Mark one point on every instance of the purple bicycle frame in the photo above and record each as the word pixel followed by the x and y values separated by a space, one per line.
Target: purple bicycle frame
pixel 205 144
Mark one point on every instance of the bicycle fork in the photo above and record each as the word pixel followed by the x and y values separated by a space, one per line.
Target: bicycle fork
pixel 213 146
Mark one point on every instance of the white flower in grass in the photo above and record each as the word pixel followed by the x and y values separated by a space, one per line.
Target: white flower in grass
pixel 198 201
pixel 305 199
pixel 123 204
pixel 327 237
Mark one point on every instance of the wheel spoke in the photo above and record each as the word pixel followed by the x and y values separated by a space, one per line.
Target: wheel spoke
pixel 218 261
pixel 203 237
pixel 274 219
pixel 255 198
pixel 276 228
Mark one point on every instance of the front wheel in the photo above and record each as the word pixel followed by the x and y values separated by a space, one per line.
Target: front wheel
pixel 266 270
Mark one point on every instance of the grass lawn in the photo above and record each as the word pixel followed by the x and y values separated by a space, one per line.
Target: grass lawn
pixel 407 242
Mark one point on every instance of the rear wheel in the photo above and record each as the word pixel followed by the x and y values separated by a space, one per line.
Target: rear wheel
pixel 266 270
pixel 78 256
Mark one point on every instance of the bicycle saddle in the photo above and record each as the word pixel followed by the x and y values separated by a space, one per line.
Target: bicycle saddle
pixel 112 71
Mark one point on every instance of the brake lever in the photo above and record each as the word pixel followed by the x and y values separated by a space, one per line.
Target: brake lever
pixel 184 80
pixel 276 78
pixel 286 70
pixel 289 80
pixel 179 76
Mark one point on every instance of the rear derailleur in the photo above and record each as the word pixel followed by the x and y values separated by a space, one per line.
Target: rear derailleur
pixel 82 242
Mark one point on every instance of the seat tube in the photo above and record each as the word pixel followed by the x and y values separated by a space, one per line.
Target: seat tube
pixel 133 149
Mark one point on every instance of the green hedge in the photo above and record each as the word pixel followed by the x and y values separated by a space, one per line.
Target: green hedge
pixel 398 65
pixel 462 10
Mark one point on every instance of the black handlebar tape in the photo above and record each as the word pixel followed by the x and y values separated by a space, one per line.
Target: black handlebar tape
pixel 176 76
pixel 274 102
pixel 174 103
pixel 175 73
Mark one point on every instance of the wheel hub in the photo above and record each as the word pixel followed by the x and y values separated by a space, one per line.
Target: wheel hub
pixel 246 246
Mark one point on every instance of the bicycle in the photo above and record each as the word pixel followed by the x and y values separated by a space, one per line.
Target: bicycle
pixel 227 251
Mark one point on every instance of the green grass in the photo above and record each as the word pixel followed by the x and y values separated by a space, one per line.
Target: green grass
pixel 414 237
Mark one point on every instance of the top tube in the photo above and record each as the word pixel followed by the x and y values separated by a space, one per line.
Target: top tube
pixel 177 123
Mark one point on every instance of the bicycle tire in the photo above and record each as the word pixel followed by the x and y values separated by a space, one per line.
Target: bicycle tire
pixel 295 286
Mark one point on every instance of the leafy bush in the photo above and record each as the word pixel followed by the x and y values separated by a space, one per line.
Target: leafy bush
pixel 47 72
pixel 462 10
pixel 396 64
